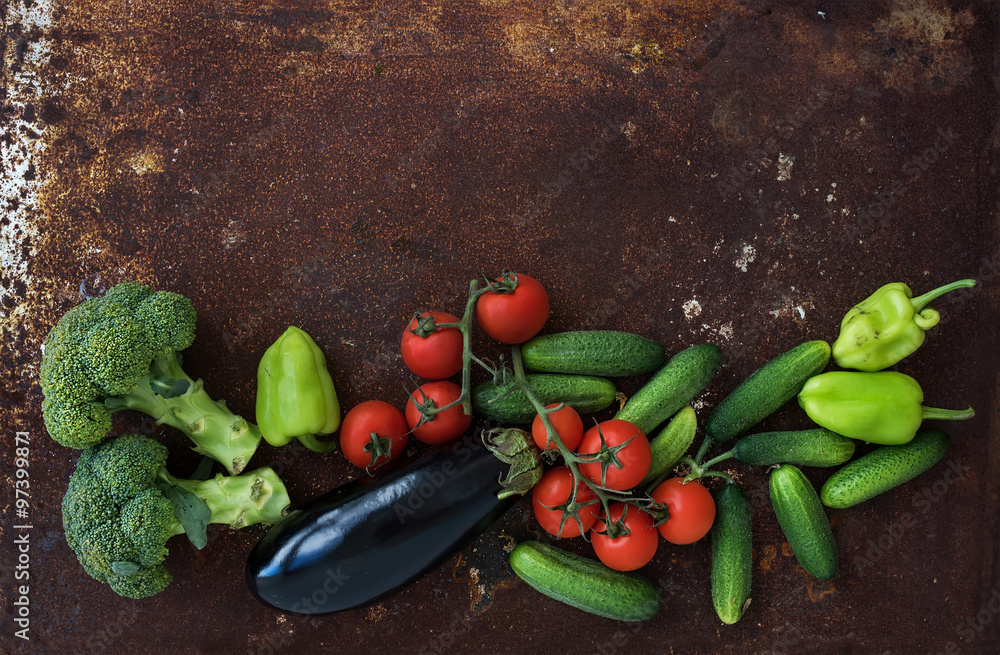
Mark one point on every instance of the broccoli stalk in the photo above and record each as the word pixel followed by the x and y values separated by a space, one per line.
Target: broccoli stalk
pixel 120 351
pixel 122 506
pixel 236 500
pixel 171 397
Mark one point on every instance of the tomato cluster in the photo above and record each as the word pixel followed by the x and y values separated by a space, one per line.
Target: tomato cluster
pixel 512 310
pixel 631 540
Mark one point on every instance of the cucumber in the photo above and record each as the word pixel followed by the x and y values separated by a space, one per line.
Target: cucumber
pixel 816 447
pixel 804 522
pixel 672 387
pixel 883 469
pixel 583 393
pixel 732 553
pixel 594 352
pixel 767 389
pixel 670 445
pixel 584 583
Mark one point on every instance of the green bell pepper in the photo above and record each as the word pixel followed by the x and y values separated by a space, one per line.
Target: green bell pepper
pixel 887 326
pixel 883 408
pixel 295 394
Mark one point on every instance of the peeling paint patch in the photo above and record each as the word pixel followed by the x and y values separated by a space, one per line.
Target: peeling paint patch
pixel 747 257
pixel 233 235
pixel 724 331
pixel 21 150
pixel 785 163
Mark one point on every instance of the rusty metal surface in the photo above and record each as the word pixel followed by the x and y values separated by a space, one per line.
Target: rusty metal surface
pixel 738 172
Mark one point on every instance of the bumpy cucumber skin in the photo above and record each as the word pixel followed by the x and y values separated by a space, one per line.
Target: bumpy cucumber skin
pixel 804 522
pixel 883 469
pixel 672 387
pixel 671 444
pixel 732 553
pixel 594 352
pixel 767 389
pixel 585 583
pixel 816 447
pixel 584 393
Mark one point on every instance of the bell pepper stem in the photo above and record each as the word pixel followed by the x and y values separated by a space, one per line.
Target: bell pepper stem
pixel 317 446
pixel 948 414
pixel 922 301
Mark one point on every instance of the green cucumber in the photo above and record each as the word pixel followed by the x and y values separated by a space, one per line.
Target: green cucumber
pixel 584 583
pixel 732 553
pixel 671 444
pixel 584 393
pixel 766 390
pixel 804 522
pixel 594 352
pixel 816 447
pixel 883 469
pixel 672 387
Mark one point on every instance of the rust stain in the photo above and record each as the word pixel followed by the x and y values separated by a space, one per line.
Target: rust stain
pixel 816 589
pixel 767 556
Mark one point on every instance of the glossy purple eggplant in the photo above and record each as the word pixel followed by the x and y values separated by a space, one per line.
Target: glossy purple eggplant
pixel 367 539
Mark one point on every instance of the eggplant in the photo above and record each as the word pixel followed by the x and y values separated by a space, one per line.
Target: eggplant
pixel 367 539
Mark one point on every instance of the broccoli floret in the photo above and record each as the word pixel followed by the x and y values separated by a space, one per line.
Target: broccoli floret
pixel 122 506
pixel 120 351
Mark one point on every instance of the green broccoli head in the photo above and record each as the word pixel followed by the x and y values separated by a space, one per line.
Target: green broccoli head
pixel 122 506
pixel 120 351
pixel 116 520
pixel 105 347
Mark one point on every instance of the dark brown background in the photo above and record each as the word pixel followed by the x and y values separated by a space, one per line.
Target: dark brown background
pixel 339 165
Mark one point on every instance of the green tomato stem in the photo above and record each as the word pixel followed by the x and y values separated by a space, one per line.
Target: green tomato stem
pixel 464 326
pixel 571 460
pixel 715 460
pixel 702 450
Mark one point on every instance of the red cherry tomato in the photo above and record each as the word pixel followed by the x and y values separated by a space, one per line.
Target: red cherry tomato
pixel 437 355
pixel 444 426
pixel 517 316
pixel 631 551
pixel 691 508
pixel 390 429
pixel 554 489
pixel 568 425
pixel 635 458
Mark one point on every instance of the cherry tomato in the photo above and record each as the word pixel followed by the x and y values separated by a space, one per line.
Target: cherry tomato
pixel 691 508
pixel 517 316
pixel 635 458
pixel 554 489
pixel 437 355
pixel 631 551
pixel 445 426
pixel 568 425
pixel 390 429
